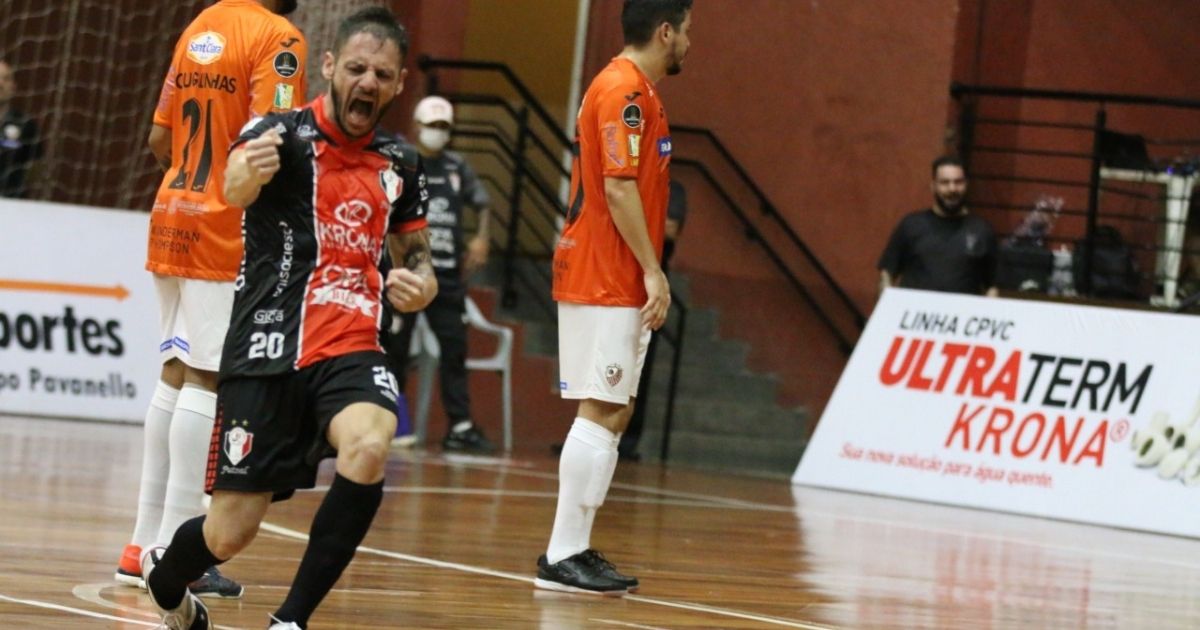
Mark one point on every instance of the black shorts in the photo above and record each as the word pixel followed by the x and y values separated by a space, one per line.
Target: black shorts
pixel 270 431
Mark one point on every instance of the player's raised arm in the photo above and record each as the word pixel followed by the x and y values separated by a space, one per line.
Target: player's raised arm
pixel 251 166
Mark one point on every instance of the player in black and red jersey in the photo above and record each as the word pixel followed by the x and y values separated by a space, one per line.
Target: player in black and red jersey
pixel 303 376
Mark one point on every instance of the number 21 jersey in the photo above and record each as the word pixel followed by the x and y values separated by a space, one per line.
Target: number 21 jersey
pixel 235 61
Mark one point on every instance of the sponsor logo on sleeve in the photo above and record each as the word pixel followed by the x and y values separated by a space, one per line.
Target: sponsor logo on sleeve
pixel 205 48
pixel 664 146
pixel 284 94
pixel 286 64
pixel 612 146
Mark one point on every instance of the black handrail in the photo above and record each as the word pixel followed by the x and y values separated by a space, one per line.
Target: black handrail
pixel 427 63
pixel 531 105
pixel 769 209
pixel 844 342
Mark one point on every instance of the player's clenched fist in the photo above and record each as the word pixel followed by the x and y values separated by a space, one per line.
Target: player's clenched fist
pixel 262 156
pixel 408 291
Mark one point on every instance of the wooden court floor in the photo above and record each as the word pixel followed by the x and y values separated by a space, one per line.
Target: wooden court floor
pixel 456 539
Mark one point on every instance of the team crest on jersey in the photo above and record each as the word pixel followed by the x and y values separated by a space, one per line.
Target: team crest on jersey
pixel 392 184
pixel 238 444
pixel 205 48
pixel 455 182
pixel 613 374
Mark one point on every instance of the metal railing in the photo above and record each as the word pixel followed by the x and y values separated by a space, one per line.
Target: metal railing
pixel 1096 171
pixel 529 145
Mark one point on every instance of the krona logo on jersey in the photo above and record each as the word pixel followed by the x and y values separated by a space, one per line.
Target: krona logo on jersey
pixel 206 47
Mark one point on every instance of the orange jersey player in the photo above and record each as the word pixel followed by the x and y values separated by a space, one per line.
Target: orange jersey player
pixel 237 60
pixel 608 279
pixel 623 134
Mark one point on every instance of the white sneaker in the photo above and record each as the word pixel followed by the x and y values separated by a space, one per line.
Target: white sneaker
pixel 191 614
pixel 282 625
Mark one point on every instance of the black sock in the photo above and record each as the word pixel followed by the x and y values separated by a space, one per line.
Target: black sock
pixel 338 528
pixel 184 561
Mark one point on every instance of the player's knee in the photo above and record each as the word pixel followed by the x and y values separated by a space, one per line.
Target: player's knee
pixel 225 540
pixel 367 453
pixel 230 543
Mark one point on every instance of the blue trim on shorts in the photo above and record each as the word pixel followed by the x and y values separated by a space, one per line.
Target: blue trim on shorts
pixel 177 342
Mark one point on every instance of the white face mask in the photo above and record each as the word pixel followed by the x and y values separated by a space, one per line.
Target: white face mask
pixel 433 138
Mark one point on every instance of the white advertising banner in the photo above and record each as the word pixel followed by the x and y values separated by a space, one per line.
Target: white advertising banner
pixel 78 314
pixel 1072 412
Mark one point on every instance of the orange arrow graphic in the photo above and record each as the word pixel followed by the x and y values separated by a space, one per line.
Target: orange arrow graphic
pixel 117 292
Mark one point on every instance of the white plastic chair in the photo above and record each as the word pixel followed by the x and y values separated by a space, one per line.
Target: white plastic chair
pixel 426 353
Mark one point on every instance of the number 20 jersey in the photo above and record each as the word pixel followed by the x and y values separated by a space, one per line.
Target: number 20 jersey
pixel 309 287
pixel 235 61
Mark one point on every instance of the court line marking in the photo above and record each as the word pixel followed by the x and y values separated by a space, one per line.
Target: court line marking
pixel 766 507
pixel 77 611
pixel 91 593
pixel 466 568
pixel 534 494
pixel 678 494
pixel 626 624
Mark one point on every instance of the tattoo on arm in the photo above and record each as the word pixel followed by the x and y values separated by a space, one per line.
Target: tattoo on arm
pixel 412 249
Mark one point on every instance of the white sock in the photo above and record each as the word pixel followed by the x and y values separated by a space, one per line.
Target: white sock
pixel 585 470
pixel 191 434
pixel 153 488
pixel 591 515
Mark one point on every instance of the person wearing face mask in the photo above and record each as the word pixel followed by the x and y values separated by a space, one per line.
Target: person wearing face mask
pixel 453 187
pixel 942 248
pixel 237 59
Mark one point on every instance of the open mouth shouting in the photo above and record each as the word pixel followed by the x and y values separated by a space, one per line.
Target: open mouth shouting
pixel 359 116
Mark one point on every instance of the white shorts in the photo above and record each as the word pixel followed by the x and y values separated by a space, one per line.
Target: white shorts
pixel 193 317
pixel 601 350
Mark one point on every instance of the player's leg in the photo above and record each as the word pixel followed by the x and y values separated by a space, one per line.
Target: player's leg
pixel 599 360
pixel 447 315
pixel 198 544
pixel 627 447
pixel 259 446
pixel 155 437
pixel 350 390
pixel 206 308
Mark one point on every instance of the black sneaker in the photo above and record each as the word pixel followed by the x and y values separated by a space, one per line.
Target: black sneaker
pixel 607 569
pixel 576 574
pixel 471 440
pixel 213 584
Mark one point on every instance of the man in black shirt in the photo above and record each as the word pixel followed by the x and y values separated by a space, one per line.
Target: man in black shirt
pixel 19 141
pixel 943 248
